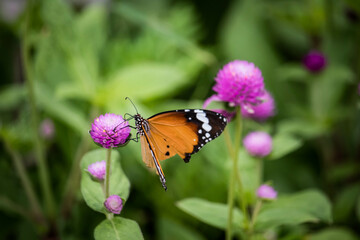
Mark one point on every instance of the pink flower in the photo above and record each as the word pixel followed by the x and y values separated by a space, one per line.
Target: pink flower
pixel 258 144
pixel 263 110
pixel 314 61
pixel 266 192
pixel 239 83
pixel 47 129
pixel 114 204
pixel 98 169
pixel 110 130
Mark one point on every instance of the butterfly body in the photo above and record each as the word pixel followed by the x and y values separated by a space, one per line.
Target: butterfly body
pixel 182 132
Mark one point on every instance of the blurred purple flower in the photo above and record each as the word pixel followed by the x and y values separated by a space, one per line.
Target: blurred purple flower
pixel 110 130
pixel 47 129
pixel 239 83
pixel 114 204
pixel 266 192
pixel 263 110
pixel 11 9
pixel 258 144
pixel 314 61
pixel 98 169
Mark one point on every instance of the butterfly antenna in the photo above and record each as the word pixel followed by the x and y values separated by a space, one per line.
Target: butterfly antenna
pixel 127 98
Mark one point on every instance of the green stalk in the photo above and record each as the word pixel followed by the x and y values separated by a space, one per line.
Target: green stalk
pixel 230 204
pixel 73 180
pixel 256 211
pixel 237 141
pixel 235 177
pixel 107 174
pixel 39 149
pixel 26 183
pixel 107 179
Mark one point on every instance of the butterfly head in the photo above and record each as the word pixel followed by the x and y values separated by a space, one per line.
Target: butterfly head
pixel 141 124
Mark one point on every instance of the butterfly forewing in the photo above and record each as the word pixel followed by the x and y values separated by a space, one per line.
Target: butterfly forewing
pixel 188 130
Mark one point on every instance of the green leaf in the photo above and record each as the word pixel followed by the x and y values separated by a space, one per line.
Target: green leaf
pixel 284 144
pixel 333 234
pixel 11 96
pixel 168 228
pixel 118 228
pixel 61 110
pixel 345 202
pixel 244 37
pixel 92 190
pixel 306 206
pixel 306 129
pixel 214 214
pixel 143 81
pixel 292 72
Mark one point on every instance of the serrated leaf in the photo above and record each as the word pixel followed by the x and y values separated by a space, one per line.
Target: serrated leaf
pixel 92 190
pixel 306 206
pixel 118 228
pixel 284 144
pixel 214 214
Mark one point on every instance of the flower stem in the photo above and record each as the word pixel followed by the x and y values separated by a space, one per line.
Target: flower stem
pixel 235 176
pixel 107 174
pixel 39 148
pixel 26 183
pixel 254 215
pixel 73 180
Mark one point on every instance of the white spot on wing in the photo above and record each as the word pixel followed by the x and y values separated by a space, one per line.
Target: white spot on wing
pixel 207 135
pixel 198 110
pixel 202 117
pixel 206 127
pixel 187 110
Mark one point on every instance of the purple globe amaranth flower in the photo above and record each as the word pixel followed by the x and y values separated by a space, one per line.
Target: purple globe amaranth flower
pixel 47 129
pixel 258 144
pixel 261 111
pixel 239 83
pixel 314 61
pixel 266 192
pixel 114 204
pixel 110 130
pixel 98 169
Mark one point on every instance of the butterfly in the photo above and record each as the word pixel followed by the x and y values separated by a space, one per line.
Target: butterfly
pixel 182 132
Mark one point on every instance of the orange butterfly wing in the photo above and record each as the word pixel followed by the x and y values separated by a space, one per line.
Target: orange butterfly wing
pixel 172 134
pixel 182 132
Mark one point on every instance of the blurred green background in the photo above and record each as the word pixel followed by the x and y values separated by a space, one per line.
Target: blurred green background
pixel 70 61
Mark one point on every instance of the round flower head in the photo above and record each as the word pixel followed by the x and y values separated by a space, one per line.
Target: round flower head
pixel 47 129
pixel 239 83
pixel 314 61
pixel 266 192
pixel 110 130
pixel 263 110
pixel 258 144
pixel 114 204
pixel 97 169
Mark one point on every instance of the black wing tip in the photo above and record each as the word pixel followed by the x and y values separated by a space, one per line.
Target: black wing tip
pixel 187 157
